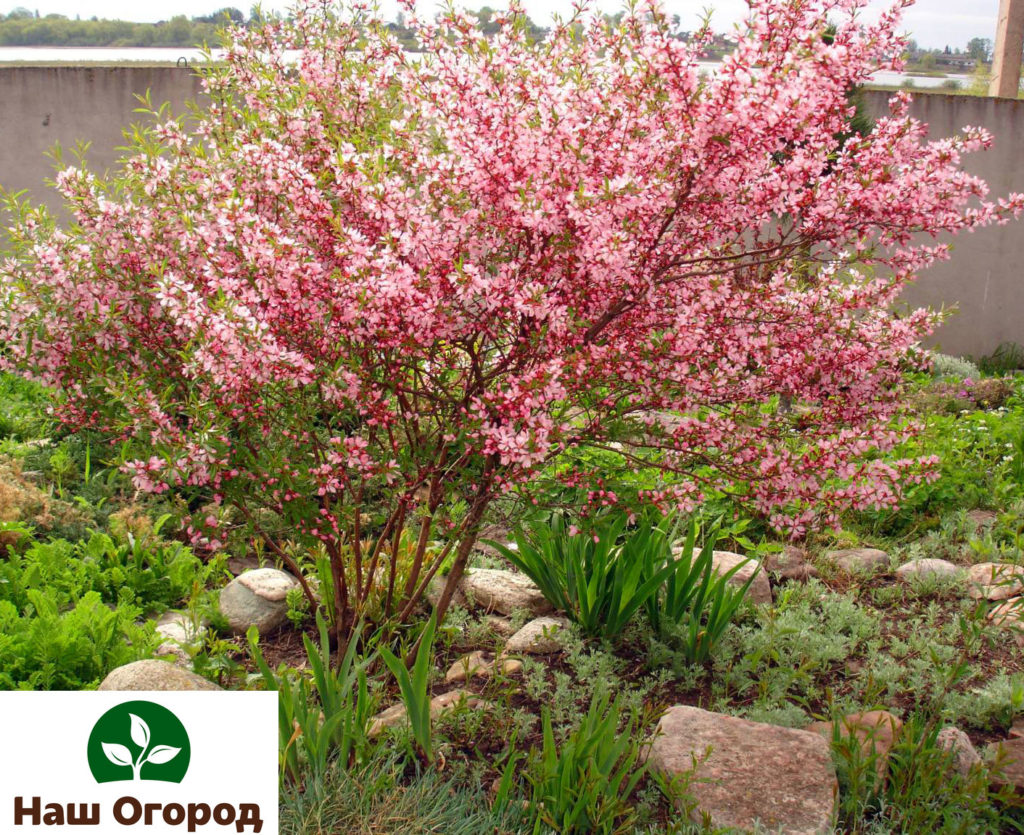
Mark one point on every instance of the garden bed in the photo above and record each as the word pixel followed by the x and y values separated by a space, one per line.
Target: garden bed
pixel 831 645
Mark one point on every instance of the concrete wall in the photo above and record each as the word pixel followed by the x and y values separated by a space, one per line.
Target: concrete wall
pixel 43 105
pixel 984 278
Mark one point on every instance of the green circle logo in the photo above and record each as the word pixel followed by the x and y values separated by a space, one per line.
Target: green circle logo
pixel 139 741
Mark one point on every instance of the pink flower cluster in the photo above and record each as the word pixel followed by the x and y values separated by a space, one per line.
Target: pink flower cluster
pixel 442 271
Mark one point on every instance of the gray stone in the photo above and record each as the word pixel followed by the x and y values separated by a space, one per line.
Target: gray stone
pixel 965 757
pixel 480 665
pixel 749 773
pixel 859 560
pixel 790 564
pixel 436 586
pixel 1010 774
pixel 927 569
pixel 508 666
pixel 494 533
pixel 396 714
pixel 499 625
pixel 389 718
pixel 538 637
pixel 257 598
pixel 801 573
pixel 474 665
pixel 154 675
pixel 178 633
pixel 497 590
pixel 760 590
pixel 995 580
pixel 981 520
pixel 875 731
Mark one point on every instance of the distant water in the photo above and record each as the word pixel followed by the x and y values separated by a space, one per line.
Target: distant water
pixel 97 54
pixel 172 55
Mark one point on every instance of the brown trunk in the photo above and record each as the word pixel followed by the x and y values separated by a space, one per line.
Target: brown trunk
pixel 470 530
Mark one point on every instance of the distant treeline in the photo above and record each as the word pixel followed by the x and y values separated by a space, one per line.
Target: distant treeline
pixel 25 28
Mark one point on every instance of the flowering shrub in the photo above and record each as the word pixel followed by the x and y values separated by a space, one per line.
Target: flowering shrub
pixel 365 292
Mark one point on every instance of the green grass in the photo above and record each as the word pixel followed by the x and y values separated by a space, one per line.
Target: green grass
pixel 381 798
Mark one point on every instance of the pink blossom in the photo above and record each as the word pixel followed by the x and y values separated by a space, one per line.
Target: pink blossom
pixel 367 278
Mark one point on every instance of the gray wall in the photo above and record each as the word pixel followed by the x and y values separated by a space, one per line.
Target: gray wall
pixel 984 277
pixel 40 106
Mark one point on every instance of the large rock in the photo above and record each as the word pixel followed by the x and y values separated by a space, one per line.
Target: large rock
pixel 790 564
pixel 436 588
pixel 760 590
pixel 257 598
pixel 505 592
pixel 154 675
pixel 539 637
pixel 995 580
pixel 859 560
pixel 397 715
pixel 965 756
pixel 875 731
pixel 780 778
pixel 178 633
pixel 927 569
pixel 1010 774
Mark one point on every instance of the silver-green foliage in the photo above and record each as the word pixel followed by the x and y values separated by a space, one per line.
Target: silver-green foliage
pixel 946 365
pixel 780 657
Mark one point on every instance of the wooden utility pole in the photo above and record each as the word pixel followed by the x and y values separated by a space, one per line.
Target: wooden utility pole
pixel 1009 47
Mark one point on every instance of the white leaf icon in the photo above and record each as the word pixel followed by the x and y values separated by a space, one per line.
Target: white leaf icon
pixel 162 754
pixel 117 754
pixel 140 732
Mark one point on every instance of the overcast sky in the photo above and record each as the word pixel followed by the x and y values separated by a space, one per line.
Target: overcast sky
pixel 933 23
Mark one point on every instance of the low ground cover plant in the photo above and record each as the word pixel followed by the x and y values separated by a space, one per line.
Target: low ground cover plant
pixel 979 451
pixel 70 612
pixel 44 646
pixel 56 630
